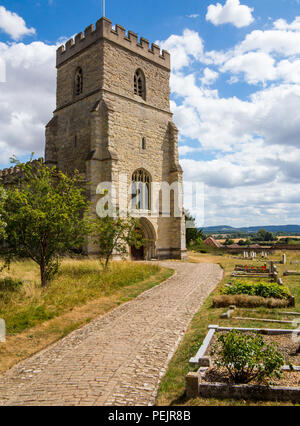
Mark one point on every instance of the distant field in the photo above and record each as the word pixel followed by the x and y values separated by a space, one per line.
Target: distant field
pixel 236 240
pixel 297 237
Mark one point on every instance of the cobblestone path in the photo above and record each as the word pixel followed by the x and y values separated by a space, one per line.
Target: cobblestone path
pixel 119 358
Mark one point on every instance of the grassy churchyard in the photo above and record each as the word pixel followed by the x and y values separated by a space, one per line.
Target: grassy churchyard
pixel 82 290
pixel 36 317
pixel 172 388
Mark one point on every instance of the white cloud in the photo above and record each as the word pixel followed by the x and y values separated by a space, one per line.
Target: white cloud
pixel 13 25
pixel 185 149
pixel 272 114
pixel 231 13
pixel 257 67
pixel 27 99
pixel 184 49
pixel 209 77
pixel 263 56
pixel 285 43
pixel 253 177
pixel 2 71
pixel 281 24
pixel 289 70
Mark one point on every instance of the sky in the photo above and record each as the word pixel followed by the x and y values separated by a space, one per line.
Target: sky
pixel 235 92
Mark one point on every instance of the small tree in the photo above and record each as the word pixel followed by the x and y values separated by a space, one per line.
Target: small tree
pixel 246 357
pixel 114 236
pixel 263 235
pixel 192 232
pixel 228 242
pixel 2 222
pixel 43 212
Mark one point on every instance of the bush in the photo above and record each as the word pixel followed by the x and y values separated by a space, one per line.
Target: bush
pixel 246 357
pixel 199 247
pixel 261 289
pixel 8 284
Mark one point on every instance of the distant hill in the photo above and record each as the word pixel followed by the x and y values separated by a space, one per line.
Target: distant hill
pixel 224 229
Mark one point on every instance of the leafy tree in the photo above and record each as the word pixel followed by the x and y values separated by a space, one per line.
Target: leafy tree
pixel 2 222
pixel 263 235
pixel 244 243
pixel 228 242
pixel 192 232
pixel 44 212
pixel 246 357
pixel 114 235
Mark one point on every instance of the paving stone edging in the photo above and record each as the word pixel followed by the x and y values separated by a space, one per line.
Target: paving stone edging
pixel 249 392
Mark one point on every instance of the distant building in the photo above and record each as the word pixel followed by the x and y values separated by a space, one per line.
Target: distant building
pixel 210 241
pixel 233 246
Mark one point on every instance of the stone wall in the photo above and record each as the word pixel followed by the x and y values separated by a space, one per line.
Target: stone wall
pixel 100 131
pixel 10 175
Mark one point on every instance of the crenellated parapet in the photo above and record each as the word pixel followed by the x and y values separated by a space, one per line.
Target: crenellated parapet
pixel 9 175
pixel 104 30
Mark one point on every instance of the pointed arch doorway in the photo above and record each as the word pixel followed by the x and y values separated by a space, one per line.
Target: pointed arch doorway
pixel 147 251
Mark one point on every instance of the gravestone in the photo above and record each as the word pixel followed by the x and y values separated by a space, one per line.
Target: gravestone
pixel 2 331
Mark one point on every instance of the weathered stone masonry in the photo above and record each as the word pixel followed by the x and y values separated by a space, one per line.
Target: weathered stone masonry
pixel 102 128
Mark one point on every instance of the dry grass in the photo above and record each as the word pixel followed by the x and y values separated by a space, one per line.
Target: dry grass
pixel 36 318
pixel 245 301
pixel 236 240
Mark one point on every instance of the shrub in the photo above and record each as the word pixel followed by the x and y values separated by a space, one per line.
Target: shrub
pixel 245 301
pixel 199 247
pixel 246 357
pixel 261 289
pixel 8 284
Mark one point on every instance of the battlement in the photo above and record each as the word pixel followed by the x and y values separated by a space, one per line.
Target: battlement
pixel 8 175
pixel 104 30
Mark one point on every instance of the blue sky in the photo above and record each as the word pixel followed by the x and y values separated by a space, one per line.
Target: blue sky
pixel 235 88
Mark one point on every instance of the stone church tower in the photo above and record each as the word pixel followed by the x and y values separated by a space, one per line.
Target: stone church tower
pixel 113 118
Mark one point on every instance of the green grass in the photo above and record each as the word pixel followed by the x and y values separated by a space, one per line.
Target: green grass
pixel 78 282
pixel 172 387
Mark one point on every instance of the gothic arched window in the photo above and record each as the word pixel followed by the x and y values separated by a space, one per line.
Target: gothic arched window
pixel 140 84
pixel 141 190
pixel 78 82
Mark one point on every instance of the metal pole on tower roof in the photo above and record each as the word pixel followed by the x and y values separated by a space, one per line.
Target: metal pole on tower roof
pixel 103 10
